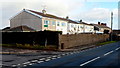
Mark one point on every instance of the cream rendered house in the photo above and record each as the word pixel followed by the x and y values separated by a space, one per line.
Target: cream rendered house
pixel 88 28
pixel 101 28
pixel 39 21
pixel 77 27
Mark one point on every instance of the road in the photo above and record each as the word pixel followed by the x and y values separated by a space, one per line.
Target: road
pixel 106 55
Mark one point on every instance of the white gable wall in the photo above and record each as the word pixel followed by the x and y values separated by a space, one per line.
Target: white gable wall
pixel 25 18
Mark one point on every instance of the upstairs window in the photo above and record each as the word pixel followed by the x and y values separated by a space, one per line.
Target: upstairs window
pixel 63 24
pixel 53 22
pixel 46 22
pixel 58 23
pixel 72 25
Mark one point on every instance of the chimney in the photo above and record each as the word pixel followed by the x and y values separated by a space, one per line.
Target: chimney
pixel 67 17
pixel 44 11
pixel 24 9
pixel 98 23
pixel 80 21
pixel 103 24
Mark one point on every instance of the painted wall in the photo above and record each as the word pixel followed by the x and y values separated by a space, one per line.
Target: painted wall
pixel 27 19
pixel 89 29
pixel 79 28
pixel 55 27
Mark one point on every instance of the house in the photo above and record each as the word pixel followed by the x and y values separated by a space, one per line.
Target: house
pixel 101 28
pixel 87 28
pixel 29 20
pixel 79 27
pixel 39 21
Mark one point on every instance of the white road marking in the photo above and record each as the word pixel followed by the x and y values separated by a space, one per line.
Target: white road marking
pixel 63 54
pixel 53 58
pixel 40 61
pixel 89 61
pixel 58 57
pixel 18 64
pixel 26 63
pixel 34 61
pixel 47 59
pixel 117 49
pixel 30 64
pixel 108 53
pixel 14 65
pixel 71 53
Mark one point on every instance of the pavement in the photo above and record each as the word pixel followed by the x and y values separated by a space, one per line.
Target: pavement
pixel 106 55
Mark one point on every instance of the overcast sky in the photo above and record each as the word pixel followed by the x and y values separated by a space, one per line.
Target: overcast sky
pixel 90 11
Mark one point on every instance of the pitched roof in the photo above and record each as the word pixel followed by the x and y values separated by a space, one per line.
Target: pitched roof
pixel 6 28
pixel 47 15
pixel 116 31
pixel 53 16
pixel 100 26
pixel 20 28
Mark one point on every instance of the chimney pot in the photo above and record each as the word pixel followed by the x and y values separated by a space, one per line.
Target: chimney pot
pixel 67 17
pixel 98 23
pixel 44 11
pixel 80 21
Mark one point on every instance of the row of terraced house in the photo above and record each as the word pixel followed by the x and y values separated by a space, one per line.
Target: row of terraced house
pixel 29 20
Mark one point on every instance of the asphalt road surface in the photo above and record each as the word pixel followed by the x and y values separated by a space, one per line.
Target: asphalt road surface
pixel 106 55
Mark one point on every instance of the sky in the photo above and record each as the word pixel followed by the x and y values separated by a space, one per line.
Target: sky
pixel 89 11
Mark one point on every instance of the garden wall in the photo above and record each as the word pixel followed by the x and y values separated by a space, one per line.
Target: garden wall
pixel 67 41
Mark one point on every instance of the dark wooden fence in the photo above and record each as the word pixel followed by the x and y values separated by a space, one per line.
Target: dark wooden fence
pixel 41 37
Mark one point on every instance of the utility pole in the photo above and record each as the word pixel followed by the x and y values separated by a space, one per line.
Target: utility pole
pixel 111 24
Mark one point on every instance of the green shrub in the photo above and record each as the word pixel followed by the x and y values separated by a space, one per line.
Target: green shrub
pixel 108 42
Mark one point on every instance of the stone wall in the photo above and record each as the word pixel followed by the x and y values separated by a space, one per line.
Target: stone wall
pixel 67 41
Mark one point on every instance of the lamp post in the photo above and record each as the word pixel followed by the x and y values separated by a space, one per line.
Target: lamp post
pixel 111 24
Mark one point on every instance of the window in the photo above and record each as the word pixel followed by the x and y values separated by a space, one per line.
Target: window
pixel 53 23
pixel 46 22
pixel 58 23
pixel 72 26
pixel 63 24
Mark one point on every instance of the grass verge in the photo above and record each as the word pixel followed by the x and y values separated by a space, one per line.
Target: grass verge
pixel 108 42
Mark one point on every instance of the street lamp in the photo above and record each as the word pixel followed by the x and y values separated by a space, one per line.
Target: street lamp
pixel 111 24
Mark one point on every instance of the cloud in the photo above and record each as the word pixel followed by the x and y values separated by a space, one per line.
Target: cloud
pixel 98 14
pixel 102 0
pixel 95 14
pixel 60 8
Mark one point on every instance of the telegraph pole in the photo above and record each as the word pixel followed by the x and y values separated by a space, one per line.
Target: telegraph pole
pixel 111 24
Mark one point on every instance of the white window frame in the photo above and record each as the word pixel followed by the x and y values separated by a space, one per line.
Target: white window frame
pixel 46 22
pixel 53 23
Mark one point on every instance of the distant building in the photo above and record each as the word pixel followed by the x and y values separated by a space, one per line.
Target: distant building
pixel 101 28
pixel 116 34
